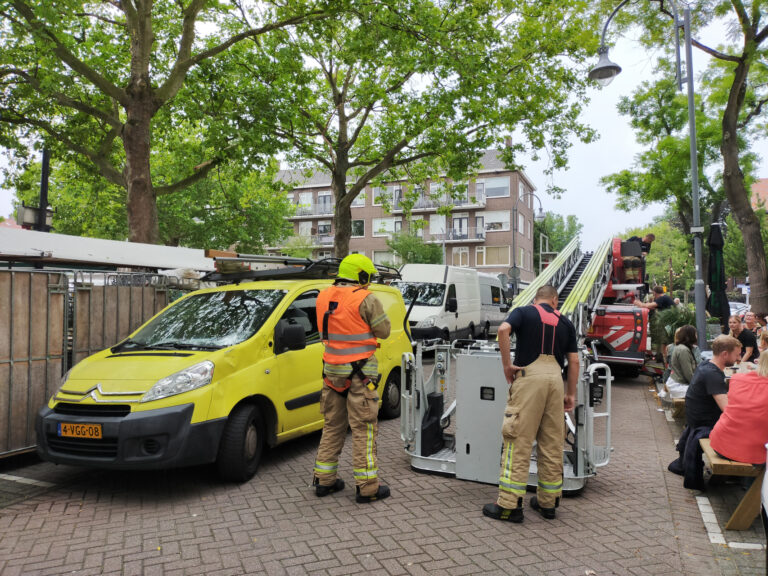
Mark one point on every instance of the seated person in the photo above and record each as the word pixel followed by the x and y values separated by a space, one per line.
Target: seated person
pixel 706 398
pixel 749 352
pixel 762 341
pixel 682 361
pixel 751 323
pixel 707 394
pixel 742 431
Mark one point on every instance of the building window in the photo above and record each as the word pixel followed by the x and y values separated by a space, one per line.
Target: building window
pixel 358 228
pixel 385 226
pixel 521 189
pixel 324 227
pixel 324 202
pixel 521 223
pixel 386 258
pixel 530 226
pixel 305 228
pixel 417 227
pixel 521 258
pixel 359 200
pixel 380 195
pixel 492 256
pixel 324 254
pixel 496 221
pixel 460 256
pixel 496 187
pixel 437 224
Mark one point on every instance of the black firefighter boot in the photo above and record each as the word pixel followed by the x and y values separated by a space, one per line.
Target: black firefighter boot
pixel 497 512
pixel 321 490
pixel 381 493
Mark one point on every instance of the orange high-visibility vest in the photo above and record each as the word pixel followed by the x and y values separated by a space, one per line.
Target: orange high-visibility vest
pixel 347 337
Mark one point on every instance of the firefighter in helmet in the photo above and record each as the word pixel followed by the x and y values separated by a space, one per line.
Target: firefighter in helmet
pixel 351 319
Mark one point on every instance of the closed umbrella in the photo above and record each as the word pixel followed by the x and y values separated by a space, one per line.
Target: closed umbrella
pixel 717 303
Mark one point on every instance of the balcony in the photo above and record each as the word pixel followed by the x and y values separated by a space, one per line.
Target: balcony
pixel 426 203
pixel 315 209
pixel 476 235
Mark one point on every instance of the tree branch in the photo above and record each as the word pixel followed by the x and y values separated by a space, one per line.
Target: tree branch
pixel 175 79
pixel 714 53
pixel 63 99
pixel 754 112
pixel 105 167
pixel 200 172
pixel 102 18
pixel 68 58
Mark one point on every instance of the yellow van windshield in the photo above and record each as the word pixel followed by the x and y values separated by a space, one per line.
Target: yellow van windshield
pixel 210 320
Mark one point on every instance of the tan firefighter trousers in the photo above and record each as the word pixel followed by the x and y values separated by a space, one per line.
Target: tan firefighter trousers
pixel 534 412
pixel 359 407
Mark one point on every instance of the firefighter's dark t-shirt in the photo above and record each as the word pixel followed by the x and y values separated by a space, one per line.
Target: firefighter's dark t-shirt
pixel 700 408
pixel 663 302
pixel 526 324
pixel 748 340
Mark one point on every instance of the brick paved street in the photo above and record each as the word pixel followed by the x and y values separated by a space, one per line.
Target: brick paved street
pixel 633 518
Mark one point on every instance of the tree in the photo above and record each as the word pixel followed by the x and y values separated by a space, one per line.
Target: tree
pixel 232 206
pixel 734 254
pixel 559 231
pixel 411 249
pixel 662 174
pixel 106 83
pixel 736 82
pixel 418 89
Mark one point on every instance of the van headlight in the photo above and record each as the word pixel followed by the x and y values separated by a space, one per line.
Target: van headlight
pixel 426 323
pixel 188 379
pixel 62 382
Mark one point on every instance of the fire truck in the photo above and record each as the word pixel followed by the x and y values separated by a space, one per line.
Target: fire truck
pixel 450 416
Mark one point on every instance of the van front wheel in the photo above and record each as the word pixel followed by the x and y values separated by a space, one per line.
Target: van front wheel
pixel 390 396
pixel 241 444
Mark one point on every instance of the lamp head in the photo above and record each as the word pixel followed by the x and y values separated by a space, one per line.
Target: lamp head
pixel 605 70
pixel 540 216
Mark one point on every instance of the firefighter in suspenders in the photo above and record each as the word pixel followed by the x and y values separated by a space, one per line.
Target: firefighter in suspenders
pixel 350 319
pixel 535 406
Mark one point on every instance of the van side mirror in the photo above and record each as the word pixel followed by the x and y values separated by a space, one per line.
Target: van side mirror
pixel 289 337
pixel 451 305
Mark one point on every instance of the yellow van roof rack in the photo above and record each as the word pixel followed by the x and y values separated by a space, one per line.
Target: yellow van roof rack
pixel 231 268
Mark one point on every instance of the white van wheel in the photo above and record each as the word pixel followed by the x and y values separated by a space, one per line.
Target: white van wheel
pixel 471 331
pixel 486 331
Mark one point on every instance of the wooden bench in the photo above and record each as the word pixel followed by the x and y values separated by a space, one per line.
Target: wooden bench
pixel 749 507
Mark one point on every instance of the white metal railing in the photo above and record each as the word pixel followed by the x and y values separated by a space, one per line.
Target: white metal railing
pixel 322 208
pixel 458 235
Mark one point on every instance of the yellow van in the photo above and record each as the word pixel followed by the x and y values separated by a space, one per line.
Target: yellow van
pixel 213 377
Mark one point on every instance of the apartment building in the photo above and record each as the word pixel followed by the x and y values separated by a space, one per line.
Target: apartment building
pixel 477 233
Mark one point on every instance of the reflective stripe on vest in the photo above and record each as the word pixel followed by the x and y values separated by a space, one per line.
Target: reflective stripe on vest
pixel 347 337
pixel 548 319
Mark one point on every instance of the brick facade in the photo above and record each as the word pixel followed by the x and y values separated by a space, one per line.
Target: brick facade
pixel 477 234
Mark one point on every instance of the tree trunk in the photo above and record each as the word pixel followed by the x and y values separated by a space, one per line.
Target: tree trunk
pixel 142 202
pixel 342 218
pixel 736 192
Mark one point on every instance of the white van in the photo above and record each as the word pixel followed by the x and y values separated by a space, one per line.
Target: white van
pixel 447 300
pixel 493 306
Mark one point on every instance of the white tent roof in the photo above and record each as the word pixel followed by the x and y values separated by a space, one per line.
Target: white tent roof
pixel 17 244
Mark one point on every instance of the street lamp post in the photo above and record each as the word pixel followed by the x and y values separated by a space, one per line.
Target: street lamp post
pixel 604 72
pixel 514 273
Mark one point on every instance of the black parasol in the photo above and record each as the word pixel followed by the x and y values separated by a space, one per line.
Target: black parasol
pixel 717 303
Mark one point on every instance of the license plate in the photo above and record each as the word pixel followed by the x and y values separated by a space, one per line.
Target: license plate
pixel 72 430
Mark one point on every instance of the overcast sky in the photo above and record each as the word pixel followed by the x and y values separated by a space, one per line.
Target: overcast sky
pixel 614 151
